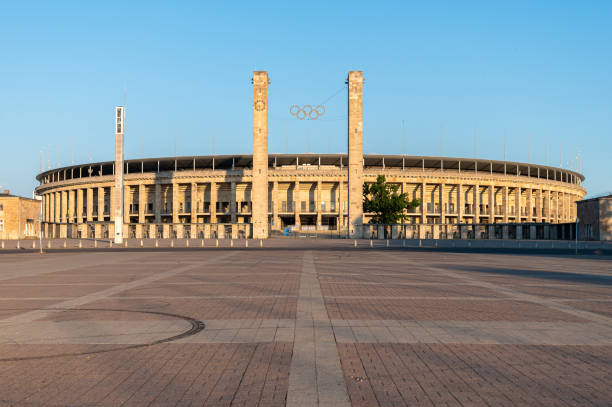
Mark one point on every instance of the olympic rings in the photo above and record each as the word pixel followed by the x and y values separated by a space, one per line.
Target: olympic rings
pixel 307 112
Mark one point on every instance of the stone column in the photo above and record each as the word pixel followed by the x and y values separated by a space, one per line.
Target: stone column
pixel 142 203
pixel 298 206
pixel 79 204
pixel 100 204
pixel 64 206
pixel 517 204
pixel 538 203
pixel 89 204
pixel 460 204
pixel 71 203
pixel 56 207
pixel 175 202
pixel 44 207
pixel 233 202
pixel 547 206
pixel 117 209
pixel 476 203
pixel 490 190
pixel 52 207
pixel 554 207
pixel 158 205
pixel 505 199
pixel 127 200
pixel 213 202
pixel 355 152
pixel 442 217
pixel 340 210
pixel 529 207
pixel 275 203
pixel 423 203
pixel 318 195
pixel 194 209
pixel 259 191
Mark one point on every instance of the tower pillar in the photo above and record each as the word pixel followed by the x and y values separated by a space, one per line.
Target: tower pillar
pixel 355 153
pixel 259 191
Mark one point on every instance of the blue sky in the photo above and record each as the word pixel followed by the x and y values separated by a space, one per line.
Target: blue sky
pixel 537 71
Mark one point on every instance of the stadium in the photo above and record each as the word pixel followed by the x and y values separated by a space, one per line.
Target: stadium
pixel 225 196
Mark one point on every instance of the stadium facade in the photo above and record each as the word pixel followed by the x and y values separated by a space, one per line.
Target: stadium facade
pixel 226 196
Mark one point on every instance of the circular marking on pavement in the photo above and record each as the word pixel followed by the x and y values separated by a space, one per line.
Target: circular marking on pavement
pixel 196 326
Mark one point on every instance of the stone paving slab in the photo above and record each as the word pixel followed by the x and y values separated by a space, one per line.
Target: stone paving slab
pixel 476 375
pixel 450 309
pixel 327 325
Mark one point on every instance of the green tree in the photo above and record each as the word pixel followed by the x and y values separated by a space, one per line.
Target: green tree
pixel 385 202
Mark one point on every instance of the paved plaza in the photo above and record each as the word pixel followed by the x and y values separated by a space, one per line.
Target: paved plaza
pixel 304 323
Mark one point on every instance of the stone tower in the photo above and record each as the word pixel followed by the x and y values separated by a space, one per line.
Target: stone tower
pixel 259 191
pixel 117 203
pixel 355 153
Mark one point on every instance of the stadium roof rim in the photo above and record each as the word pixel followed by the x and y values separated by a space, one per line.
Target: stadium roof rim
pixel 370 160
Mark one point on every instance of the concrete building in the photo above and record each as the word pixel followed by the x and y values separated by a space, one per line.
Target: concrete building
pixel 595 218
pixel 212 195
pixel 255 195
pixel 18 216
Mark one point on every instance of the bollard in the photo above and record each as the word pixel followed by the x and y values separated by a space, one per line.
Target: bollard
pixel 232 243
pixel 95 243
pixel 18 244
pixel 420 243
pixel 217 243
pixel 186 242
pixel 34 244
pixel 80 244
pixel 141 243
pixel 387 242
pixel 246 243
pixel 125 243
pixel 436 244
pixel 202 242
pixel 403 242
pixel 371 243
pixel 3 244
pixel 48 244
pixel 156 243
pixel 355 243
pixel 64 244
pixel 171 242
pixel 260 243
pixel 110 243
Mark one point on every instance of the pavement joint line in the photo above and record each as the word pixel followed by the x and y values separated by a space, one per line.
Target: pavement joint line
pixel 400 297
pixel 154 297
pixel 75 302
pixel 517 295
pixel 315 377
pixel 232 283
